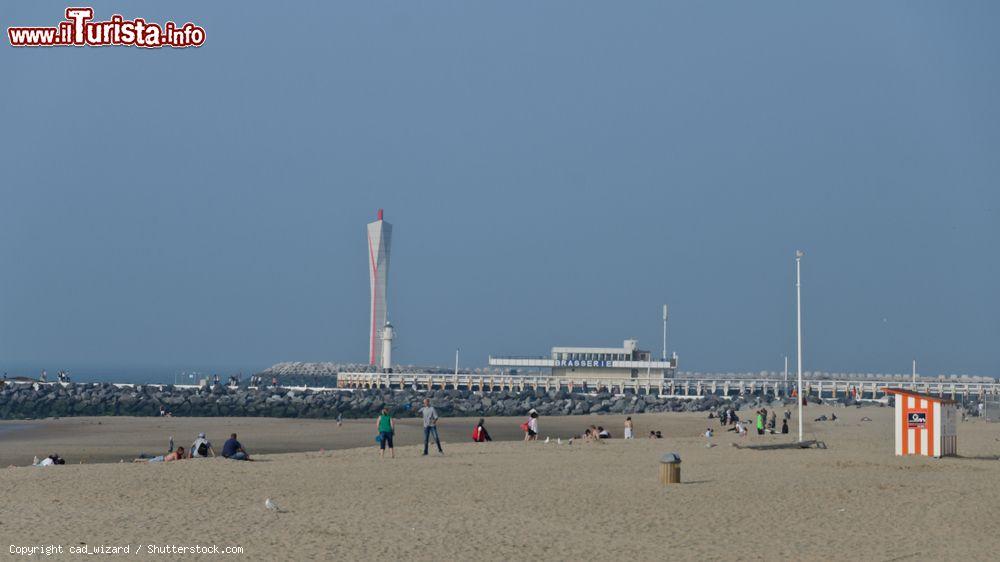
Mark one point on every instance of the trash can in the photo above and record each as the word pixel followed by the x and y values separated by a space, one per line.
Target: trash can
pixel 670 469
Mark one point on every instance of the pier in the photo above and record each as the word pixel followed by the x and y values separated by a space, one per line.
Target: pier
pixel 694 388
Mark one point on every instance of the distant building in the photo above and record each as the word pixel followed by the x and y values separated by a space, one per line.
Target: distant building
pixel 379 240
pixel 596 366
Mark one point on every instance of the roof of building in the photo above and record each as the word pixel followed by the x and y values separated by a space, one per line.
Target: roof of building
pixel 919 395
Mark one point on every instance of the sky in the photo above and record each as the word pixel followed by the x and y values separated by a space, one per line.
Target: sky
pixel 554 173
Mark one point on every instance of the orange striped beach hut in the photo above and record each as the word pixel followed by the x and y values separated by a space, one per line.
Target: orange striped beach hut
pixel 925 425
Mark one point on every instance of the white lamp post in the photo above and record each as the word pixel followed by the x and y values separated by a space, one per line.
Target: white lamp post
pixel 798 314
pixel 664 356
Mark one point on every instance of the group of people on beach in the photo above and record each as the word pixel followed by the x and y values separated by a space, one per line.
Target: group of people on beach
pixel 201 448
pixel 763 422
pixel 386 427
pixel 596 432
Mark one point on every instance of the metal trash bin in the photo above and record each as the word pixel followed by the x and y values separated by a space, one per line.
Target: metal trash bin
pixel 670 469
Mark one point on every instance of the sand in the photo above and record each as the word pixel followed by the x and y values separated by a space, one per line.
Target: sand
pixel 515 501
pixel 110 439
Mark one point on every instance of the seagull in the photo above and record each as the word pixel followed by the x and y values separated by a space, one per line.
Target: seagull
pixel 546 439
pixel 271 506
pixel 559 441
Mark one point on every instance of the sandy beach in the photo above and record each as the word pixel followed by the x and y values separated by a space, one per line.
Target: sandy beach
pixel 515 501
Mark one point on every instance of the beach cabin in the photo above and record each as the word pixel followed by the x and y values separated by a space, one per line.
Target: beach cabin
pixel 925 425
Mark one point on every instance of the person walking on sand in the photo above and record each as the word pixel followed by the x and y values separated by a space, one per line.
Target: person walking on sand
pixel 385 426
pixel 430 426
pixel 628 428
pixel 531 427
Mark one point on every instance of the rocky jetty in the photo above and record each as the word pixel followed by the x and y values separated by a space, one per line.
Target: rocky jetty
pixel 23 401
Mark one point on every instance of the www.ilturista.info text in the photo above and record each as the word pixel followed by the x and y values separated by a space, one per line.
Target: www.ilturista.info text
pixel 79 30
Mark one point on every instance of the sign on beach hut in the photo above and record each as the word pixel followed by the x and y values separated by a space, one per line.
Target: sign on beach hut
pixel 925 424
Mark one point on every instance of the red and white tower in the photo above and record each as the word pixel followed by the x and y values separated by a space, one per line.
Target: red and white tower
pixel 379 238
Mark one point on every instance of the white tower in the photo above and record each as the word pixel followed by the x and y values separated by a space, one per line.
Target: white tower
pixel 387 335
pixel 379 239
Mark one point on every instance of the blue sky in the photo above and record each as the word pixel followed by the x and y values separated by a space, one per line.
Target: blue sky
pixel 553 171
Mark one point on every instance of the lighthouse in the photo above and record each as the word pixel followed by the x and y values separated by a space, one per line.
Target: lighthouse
pixel 387 335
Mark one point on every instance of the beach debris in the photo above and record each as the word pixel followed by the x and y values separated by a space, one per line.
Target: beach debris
pixel 558 440
pixel 570 442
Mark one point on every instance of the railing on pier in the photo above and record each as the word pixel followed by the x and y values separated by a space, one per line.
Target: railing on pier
pixel 691 388
pixel 859 389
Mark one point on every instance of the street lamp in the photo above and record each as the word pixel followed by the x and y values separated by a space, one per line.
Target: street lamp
pixel 798 322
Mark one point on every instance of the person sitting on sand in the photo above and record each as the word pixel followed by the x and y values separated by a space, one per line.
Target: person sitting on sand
pixel 386 427
pixel 479 433
pixel 233 449
pixel 175 456
pixel 51 460
pixel 201 448
pixel 741 428
pixel 784 426
pixel 603 433
pixel 708 433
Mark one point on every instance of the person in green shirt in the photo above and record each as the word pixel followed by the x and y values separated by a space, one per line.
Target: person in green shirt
pixel 386 426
